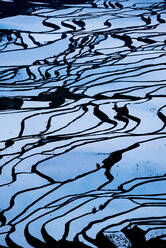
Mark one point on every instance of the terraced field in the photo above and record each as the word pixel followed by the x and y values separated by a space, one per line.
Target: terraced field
pixel 82 117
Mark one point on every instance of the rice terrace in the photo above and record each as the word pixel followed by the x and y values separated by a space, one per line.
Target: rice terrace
pixel 83 124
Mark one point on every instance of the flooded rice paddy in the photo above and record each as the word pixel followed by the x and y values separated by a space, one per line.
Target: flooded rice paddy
pixel 82 124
